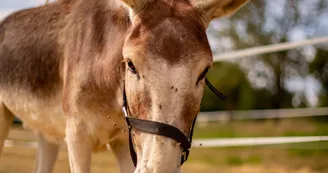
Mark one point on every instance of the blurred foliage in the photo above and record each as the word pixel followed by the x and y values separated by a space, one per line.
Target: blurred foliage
pixel 319 68
pixel 261 23
pixel 231 80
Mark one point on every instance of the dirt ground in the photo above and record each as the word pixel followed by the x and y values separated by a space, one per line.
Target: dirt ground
pixel 229 160
pixel 288 158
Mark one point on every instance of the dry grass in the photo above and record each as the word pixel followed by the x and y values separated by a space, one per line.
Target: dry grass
pixel 21 160
pixel 295 158
pixel 231 160
pixel 283 127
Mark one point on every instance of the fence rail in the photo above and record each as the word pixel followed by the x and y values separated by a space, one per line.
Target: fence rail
pixel 233 142
pixel 251 52
pixel 209 143
pixel 260 114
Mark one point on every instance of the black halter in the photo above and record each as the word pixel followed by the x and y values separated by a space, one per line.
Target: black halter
pixel 162 129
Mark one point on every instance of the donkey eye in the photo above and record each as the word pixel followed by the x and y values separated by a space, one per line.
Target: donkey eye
pixel 131 66
pixel 203 74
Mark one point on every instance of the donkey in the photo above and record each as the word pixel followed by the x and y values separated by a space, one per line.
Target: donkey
pixel 67 68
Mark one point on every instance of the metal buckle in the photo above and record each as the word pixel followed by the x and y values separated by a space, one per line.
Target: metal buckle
pixel 125 111
pixel 184 156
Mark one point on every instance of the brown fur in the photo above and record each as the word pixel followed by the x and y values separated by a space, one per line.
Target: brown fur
pixel 29 49
pixel 170 29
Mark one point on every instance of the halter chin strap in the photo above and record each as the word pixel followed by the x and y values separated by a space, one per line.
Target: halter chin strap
pixel 162 129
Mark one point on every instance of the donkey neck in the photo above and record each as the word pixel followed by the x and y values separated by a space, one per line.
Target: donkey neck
pixel 95 35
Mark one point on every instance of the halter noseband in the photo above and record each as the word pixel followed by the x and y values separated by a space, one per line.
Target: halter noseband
pixel 162 129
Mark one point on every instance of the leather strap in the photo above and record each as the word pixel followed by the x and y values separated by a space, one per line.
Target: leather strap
pixel 162 129
pixel 215 91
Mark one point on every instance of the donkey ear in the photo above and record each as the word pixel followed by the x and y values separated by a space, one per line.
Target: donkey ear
pixel 211 9
pixel 136 4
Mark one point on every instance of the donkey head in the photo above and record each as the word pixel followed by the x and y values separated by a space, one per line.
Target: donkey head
pixel 167 56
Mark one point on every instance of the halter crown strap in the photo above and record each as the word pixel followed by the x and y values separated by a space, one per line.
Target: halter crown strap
pixel 215 91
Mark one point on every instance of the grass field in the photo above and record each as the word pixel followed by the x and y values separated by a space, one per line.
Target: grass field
pixel 284 127
pixel 291 158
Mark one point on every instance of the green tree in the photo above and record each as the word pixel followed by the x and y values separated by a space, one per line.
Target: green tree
pixel 264 22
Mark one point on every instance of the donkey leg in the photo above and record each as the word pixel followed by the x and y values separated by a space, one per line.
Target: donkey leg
pixel 121 149
pixel 47 155
pixel 79 145
pixel 6 119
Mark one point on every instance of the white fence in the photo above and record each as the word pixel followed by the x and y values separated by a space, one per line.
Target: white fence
pixel 205 117
pixel 22 138
pixel 233 142
pixel 251 52
pixel 209 143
